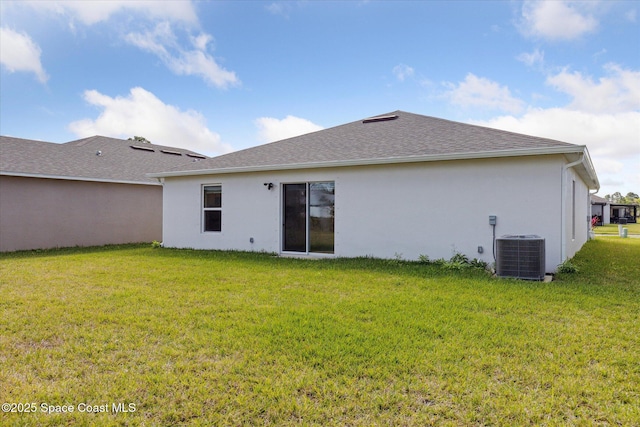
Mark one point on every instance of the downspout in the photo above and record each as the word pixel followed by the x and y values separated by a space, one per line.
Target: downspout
pixel 563 225
pixel 161 181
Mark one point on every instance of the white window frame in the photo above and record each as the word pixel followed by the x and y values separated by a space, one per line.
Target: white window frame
pixel 210 209
pixel 307 250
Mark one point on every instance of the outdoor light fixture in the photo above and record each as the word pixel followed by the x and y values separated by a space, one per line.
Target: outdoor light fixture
pixel 269 185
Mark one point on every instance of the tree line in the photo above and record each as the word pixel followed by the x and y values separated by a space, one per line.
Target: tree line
pixel 618 198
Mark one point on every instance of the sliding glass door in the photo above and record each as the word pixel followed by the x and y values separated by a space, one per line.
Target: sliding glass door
pixel 308 217
pixel 295 218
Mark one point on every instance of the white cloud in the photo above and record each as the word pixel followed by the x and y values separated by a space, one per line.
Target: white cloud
pixel 616 135
pixel 631 16
pixel 402 71
pixel 177 55
pixel 481 92
pixel 19 53
pixel 557 19
pixel 201 41
pixel 279 8
pixel 531 59
pixel 603 114
pixel 162 42
pixel 271 129
pixel 613 140
pixel 617 92
pixel 608 166
pixel 142 113
pixel 93 12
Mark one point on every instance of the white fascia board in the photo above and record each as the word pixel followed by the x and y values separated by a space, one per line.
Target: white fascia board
pixel 590 170
pixel 75 178
pixel 379 161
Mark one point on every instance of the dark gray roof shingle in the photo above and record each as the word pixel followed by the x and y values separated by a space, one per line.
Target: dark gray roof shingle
pixel 401 135
pixel 117 160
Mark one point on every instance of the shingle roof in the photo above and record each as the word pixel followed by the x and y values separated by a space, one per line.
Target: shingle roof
pixel 97 158
pixel 393 136
pixel 597 200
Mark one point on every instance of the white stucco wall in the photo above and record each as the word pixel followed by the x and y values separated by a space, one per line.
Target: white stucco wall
pixel 407 210
pixel 606 212
pixel 581 213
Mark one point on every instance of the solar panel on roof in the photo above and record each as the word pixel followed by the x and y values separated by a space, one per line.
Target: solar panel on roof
pixel 137 147
pixel 380 118
pixel 176 153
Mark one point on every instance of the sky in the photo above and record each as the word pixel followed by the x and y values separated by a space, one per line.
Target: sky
pixel 219 76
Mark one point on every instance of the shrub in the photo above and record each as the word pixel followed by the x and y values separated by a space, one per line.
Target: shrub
pixel 457 262
pixel 459 258
pixel 567 267
pixel 424 259
pixel 479 264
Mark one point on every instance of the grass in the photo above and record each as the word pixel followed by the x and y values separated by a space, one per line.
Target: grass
pixel 613 229
pixel 225 338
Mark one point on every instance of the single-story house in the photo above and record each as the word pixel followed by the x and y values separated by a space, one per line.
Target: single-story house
pixel 626 212
pixel 600 208
pixel 612 213
pixel 398 185
pixel 92 191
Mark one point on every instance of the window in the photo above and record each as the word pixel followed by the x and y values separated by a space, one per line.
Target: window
pixel 212 208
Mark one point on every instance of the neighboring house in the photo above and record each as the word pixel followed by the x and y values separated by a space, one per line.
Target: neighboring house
pixel 611 213
pixel 626 212
pixel 397 185
pixel 93 191
pixel 600 208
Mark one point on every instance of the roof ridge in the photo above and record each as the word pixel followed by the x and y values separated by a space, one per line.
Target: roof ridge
pixel 407 136
pixel 84 141
pixel 95 158
pixel 518 134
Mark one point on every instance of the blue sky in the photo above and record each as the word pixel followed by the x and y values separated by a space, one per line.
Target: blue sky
pixel 220 76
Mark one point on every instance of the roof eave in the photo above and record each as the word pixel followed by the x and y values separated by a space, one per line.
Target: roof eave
pixel 76 178
pixel 590 171
pixel 379 161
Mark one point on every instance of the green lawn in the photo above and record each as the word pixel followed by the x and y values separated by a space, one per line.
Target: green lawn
pixel 215 338
pixel 613 229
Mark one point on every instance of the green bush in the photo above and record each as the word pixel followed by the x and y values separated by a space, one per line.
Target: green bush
pixel 567 267
pixel 479 264
pixel 457 262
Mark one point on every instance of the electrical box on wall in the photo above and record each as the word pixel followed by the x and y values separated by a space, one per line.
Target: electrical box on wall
pixel 492 219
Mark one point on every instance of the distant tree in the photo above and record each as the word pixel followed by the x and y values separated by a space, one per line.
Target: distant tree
pixel 140 139
pixel 617 198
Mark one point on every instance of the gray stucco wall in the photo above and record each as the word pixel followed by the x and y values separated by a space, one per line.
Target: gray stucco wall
pixel 47 213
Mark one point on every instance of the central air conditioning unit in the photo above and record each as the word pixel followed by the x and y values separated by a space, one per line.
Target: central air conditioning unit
pixel 521 257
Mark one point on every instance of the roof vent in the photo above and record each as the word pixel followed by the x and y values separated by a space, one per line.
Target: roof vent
pixel 196 156
pixel 175 153
pixel 138 147
pixel 380 118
